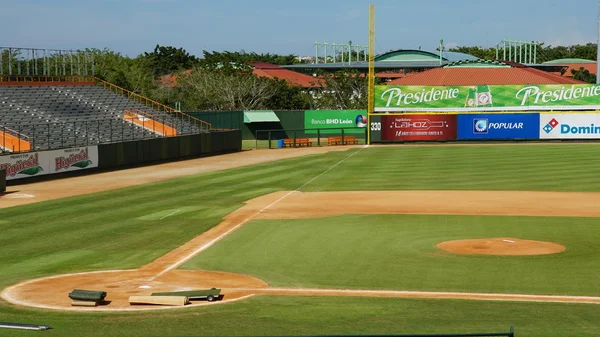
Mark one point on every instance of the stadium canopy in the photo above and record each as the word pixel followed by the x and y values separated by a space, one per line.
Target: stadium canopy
pixel 257 116
pixel 393 60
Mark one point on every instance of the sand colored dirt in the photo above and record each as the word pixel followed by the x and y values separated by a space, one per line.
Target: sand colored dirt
pixel 61 188
pixel 162 275
pixel 501 246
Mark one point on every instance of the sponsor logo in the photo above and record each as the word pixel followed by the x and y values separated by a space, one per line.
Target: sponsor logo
pixel 567 129
pixel 81 160
pixel 480 126
pixel 432 95
pixel 332 121
pixel 361 121
pixel 551 125
pixel 562 94
pixel 29 165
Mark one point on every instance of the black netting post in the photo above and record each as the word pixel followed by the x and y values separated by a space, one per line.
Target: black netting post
pixel 269 139
pixel 318 137
pixel 294 138
pixel 343 142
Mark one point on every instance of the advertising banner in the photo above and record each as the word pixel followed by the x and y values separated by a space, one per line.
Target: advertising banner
pixel 569 126
pixel 487 97
pixel 73 159
pixel 25 165
pixel 418 128
pixel 499 126
pixel 335 119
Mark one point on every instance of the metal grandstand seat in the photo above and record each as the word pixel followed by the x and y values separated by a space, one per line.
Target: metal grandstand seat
pixel 59 116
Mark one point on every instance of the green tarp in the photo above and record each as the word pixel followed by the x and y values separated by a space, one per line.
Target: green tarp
pixel 254 116
pixel 87 295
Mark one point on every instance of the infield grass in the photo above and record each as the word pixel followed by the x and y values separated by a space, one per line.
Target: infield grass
pixel 398 252
pixel 119 230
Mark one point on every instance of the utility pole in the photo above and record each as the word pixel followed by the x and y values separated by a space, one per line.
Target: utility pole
pixel 598 52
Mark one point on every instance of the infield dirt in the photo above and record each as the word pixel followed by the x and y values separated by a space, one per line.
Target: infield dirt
pixel 162 275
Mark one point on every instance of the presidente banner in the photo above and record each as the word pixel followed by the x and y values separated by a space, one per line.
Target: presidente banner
pixel 498 126
pixel 569 126
pixel 335 119
pixel 487 97
pixel 418 128
pixel 25 165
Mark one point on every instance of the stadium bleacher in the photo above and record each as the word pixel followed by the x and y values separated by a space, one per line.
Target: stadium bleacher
pixel 77 115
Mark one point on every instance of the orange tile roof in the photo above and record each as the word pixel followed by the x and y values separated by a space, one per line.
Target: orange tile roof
pixel 591 67
pixel 262 69
pixel 483 76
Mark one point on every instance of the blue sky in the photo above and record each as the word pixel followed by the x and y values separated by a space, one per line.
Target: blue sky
pixel 290 27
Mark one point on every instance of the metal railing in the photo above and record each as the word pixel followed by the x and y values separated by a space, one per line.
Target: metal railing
pixel 16 79
pixel 155 105
pixel 149 122
pixel 8 134
pixel 65 134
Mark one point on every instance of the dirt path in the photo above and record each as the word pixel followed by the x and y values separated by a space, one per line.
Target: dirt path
pixel 62 188
pixel 162 275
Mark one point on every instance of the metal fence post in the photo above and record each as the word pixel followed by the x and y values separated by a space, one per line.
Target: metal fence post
pixel 343 142
pixel 294 138
pixel 269 139
pixel 318 137
pixel 32 139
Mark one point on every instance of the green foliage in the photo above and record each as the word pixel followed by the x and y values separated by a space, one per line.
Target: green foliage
pixel 165 60
pixel 343 90
pixel 243 58
pixel 482 53
pixel 583 75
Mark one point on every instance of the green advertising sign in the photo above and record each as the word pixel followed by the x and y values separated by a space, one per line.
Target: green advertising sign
pixel 353 121
pixel 487 97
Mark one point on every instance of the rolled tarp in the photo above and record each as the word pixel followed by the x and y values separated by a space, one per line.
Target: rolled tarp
pixel 87 295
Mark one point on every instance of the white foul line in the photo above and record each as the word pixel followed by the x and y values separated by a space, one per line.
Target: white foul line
pixel 168 215
pixel 218 238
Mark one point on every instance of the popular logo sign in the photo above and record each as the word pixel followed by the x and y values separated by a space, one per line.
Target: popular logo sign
pixel 498 126
pixel 570 126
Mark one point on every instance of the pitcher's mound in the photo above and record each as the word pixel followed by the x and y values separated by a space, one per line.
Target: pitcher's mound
pixel 501 246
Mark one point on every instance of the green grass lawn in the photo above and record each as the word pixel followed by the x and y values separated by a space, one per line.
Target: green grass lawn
pixel 398 252
pixel 119 229
pixel 302 316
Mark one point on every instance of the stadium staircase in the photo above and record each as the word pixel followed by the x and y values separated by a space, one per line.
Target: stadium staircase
pixel 39 115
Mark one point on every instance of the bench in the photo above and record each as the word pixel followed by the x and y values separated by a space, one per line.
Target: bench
pixel 337 140
pixel 289 142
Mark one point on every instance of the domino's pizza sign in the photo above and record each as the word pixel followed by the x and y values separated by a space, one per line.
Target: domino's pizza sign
pixel 498 126
pixel 570 126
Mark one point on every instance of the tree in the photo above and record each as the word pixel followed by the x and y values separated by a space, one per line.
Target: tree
pixel 243 58
pixel 165 60
pixel 344 90
pixel 583 75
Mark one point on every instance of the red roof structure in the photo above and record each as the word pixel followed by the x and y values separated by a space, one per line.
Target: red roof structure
pixel 262 69
pixel 508 74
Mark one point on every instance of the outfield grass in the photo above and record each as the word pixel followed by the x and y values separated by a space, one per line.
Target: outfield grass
pixel 301 316
pixel 116 229
pixel 398 252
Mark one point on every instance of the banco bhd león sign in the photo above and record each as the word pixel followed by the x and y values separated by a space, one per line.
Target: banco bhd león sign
pixel 487 97
pixel 352 121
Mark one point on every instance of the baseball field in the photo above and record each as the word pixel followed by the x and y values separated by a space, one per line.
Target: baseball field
pixel 360 240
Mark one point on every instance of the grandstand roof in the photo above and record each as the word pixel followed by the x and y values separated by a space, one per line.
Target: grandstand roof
pixel 483 76
pixel 574 64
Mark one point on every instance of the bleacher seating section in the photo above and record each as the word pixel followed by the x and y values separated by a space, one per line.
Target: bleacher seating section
pixel 77 115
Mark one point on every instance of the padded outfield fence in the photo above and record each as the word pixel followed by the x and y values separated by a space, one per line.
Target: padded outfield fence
pixel 272 139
